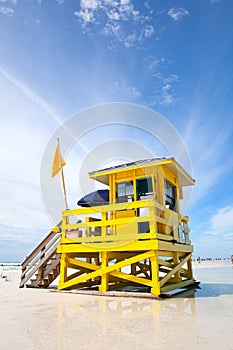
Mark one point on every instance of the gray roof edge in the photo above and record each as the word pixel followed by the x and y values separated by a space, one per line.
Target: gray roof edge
pixel 135 163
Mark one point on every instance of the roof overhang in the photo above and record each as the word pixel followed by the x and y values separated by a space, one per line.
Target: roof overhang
pixel 184 178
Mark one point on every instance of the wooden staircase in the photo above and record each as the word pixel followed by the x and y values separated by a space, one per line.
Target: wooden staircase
pixel 42 266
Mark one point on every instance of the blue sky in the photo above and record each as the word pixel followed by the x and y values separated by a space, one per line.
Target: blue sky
pixel 60 57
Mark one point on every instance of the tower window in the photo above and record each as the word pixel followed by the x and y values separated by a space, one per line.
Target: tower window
pixel 124 191
pixel 170 195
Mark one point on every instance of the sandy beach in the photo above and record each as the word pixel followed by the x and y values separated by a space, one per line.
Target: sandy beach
pixel 48 319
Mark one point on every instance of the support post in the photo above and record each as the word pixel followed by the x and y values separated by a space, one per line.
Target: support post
pixel 104 278
pixel 63 271
pixel 155 290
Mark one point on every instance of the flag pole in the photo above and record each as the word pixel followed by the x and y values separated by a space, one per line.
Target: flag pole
pixel 62 174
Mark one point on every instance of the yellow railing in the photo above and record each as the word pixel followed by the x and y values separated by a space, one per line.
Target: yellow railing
pixel 106 223
pixel 119 222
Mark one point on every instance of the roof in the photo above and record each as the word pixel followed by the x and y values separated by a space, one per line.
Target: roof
pixel 184 178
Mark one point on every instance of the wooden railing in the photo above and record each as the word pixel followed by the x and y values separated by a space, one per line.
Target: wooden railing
pixel 39 259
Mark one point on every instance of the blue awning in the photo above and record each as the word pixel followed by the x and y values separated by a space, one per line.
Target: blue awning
pixel 99 197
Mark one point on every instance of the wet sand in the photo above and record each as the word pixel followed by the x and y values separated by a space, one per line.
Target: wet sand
pixel 46 319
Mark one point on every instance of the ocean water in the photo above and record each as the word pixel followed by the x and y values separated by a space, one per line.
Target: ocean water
pixel 10 266
pixel 215 281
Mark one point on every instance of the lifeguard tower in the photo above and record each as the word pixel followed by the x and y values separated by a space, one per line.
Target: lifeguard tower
pixel 136 237
pixel 130 234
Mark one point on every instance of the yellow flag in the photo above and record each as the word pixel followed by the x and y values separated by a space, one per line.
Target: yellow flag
pixel 58 163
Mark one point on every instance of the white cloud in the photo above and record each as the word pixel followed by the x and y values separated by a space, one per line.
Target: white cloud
pixel 114 15
pixel 30 93
pixel 166 88
pixel 149 31
pixel 217 239
pixel 8 11
pixel 130 40
pixel 90 4
pixel 117 20
pixel 86 16
pixel 153 63
pixel 167 98
pixel 177 14
pixel 130 92
pixel 14 2
pixel 206 143
pixel 112 29
pixel 25 127
pixel 87 11
pixel 222 221
pixel 171 78
pixel 167 95
pixel 163 93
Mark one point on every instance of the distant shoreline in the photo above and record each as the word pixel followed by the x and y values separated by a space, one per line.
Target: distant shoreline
pixel 212 263
pixel 10 264
pixel 204 263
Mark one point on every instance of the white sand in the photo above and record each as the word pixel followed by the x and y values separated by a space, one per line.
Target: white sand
pixel 42 319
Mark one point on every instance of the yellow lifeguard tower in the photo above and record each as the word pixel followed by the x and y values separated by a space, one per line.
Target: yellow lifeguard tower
pixel 132 234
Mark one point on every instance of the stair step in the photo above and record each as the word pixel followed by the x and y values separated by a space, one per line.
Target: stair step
pixel 42 266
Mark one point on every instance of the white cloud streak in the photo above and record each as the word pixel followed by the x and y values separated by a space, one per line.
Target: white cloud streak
pixel 25 125
pixel 8 11
pixel 14 2
pixel 164 94
pixel 177 14
pixel 222 221
pixel 217 239
pixel 207 145
pixel 30 94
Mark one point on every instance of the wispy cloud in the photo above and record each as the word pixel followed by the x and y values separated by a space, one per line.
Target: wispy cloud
pixel 8 11
pixel 130 92
pixel 16 233
pixel 148 31
pixel 218 236
pixel 25 126
pixel 116 19
pixel 115 11
pixel 167 93
pixel 214 1
pixel 167 96
pixel 14 2
pixel 30 94
pixel 171 78
pixel 164 93
pixel 222 222
pixel 177 14
pixel 215 237
pixel 207 143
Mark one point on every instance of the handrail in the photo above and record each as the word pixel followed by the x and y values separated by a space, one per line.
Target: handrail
pixel 34 268
pixel 110 208
pixel 108 226
pixel 39 256
pixel 39 247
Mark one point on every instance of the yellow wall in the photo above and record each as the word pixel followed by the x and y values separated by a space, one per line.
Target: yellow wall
pixel 158 174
